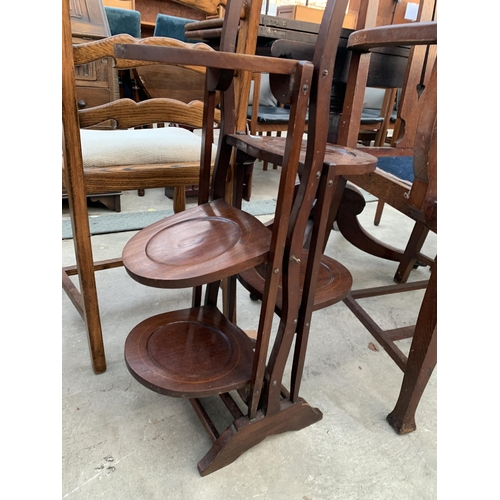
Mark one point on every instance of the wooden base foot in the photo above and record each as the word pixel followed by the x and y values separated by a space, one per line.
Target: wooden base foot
pixel 243 434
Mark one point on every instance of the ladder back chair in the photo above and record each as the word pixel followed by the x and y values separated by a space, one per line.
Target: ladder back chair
pixel 122 155
pixel 199 352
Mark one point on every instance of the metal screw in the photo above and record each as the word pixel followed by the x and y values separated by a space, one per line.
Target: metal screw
pixel 305 88
pixel 318 175
pixel 295 259
pixel 325 73
pixel 276 270
pixel 330 183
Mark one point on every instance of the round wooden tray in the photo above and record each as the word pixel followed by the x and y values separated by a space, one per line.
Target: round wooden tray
pixel 190 353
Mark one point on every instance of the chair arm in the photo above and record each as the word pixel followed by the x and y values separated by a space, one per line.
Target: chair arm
pixel 420 33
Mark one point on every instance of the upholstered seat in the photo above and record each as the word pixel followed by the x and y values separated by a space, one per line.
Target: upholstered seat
pixel 399 166
pixel 172 27
pixel 123 21
pixel 271 114
pixel 101 148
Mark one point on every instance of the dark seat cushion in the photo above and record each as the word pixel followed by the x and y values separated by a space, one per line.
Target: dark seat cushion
pixel 371 116
pixel 399 166
pixel 271 114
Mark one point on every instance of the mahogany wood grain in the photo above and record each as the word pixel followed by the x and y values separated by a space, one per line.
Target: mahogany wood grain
pixel 173 82
pixel 198 352
pixel 416 110
pixel 151 53
pixel 189 353
pixel 244 433
pixel 197 246
pixel 422 33
pixel 333 283
pixel 420 362
pixel 419 202
pixel 345 160
pixel 419 68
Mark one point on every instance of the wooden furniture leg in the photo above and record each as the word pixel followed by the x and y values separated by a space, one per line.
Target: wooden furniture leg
pixel 421 361
pixel 409 258
pixel 87 304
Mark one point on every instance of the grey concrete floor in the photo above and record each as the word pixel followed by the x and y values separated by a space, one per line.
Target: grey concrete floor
pixel 122 441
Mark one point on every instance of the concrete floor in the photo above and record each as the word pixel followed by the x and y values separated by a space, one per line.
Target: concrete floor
pixel 122 441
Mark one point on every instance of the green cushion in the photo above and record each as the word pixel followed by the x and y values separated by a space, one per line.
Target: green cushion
pixel 172 27
pixel 124 21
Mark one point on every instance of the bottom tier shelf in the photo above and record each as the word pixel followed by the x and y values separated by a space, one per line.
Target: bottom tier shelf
pixel 191 353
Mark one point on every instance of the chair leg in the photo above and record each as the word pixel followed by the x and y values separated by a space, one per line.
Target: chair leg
pixel 265 163
pixel 278 134
pixel 88 302
pixel 378 213
pixel 421 361
pixel 410 254
pixel 179 199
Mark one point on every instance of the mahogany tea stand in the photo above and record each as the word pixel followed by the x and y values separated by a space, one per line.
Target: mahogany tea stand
pixel 198 352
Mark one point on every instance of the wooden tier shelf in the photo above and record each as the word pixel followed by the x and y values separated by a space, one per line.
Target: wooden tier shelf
pixel 334 282
pixel 190 353
pixel 345 161
pixel 193 247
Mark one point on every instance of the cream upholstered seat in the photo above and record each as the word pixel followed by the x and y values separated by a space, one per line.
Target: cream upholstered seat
pixel 107 148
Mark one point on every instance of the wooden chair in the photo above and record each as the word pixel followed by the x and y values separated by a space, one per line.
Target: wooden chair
pixel 199 352
pixel 266 116
pixel 392 181
pixel 420 203
pixel 101 161
pixel 377 121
